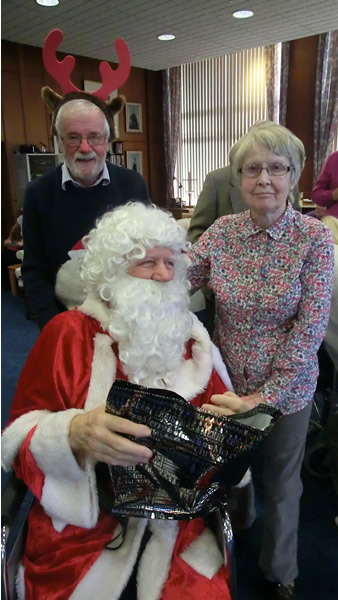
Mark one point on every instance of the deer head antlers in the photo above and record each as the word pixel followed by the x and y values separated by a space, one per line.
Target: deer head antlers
pixel 61 70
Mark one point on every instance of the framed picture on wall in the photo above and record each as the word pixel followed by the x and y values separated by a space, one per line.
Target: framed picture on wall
pixel 134 117
pixel 92 86
pixel 134 161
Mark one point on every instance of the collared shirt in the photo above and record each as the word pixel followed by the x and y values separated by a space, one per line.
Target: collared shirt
pixel 66 176
pixel 272 290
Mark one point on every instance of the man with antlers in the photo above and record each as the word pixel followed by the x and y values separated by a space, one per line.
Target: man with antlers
pixel 61 206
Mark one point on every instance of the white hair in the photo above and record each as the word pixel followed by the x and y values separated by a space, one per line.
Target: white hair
pixel 79 106
pixel 124 235
pixel 277 138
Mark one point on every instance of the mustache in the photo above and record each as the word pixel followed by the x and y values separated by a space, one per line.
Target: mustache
pixel 86 155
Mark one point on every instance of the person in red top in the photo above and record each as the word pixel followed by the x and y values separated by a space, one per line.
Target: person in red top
pixel 134 325
pixel 325 191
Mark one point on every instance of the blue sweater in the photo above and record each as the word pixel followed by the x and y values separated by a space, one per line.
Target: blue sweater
pixel 55 219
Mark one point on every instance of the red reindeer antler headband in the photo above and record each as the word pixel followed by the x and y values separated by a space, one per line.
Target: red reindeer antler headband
pixel 61 72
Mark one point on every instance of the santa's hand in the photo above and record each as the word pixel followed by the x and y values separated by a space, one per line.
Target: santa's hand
pixel 97 434
pixel 229 403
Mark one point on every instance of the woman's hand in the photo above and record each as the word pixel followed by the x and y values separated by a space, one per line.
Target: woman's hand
pixel 97 434
pixel 230 404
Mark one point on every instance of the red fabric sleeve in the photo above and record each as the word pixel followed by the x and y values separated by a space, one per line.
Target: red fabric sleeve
pixel 215 386
pixel 57 372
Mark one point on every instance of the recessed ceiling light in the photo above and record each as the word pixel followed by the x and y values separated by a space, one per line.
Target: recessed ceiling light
pixel 243 14
pixel 166 37
pixel 47 2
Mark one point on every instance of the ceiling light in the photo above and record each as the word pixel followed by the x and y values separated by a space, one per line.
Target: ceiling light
pixel 166 37
pixel 47 2
pixel 243 14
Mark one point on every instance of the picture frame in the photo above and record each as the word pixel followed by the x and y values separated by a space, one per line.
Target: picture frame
pixel 134 161
pixel 133 117
pixel 92 86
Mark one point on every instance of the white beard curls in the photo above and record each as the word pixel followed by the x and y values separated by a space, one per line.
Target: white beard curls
pixel 151 322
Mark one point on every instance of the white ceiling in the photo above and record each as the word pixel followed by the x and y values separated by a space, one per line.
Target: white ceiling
pixel 203 28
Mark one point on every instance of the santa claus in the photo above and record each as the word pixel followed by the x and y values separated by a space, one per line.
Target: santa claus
pixel 134 324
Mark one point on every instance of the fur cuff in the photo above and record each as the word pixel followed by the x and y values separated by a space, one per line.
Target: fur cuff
pixel 50 446
pixel 69 493
pixel 15 434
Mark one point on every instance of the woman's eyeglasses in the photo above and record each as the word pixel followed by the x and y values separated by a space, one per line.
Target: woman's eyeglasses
pixel 274 169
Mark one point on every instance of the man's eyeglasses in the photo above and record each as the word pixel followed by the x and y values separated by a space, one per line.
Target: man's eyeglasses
pixel 73 140
pixel 275 169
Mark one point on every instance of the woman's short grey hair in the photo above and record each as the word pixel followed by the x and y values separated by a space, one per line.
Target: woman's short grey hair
pixel 79 106
pixel 276 138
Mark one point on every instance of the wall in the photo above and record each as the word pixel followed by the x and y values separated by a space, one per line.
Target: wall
pixel 25 118
pixel 301 101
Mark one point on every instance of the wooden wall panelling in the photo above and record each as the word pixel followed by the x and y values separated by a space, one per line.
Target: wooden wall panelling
pixel 9 58
pixel 35 116
pixel 134 90
pixel 27 120
pixel 138 147
pixel 7 214
pixel 154 107
pixel 300 102
pixel 14 130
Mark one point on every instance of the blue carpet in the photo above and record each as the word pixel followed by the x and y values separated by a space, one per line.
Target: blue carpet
pixel 18 337
pixel 318 535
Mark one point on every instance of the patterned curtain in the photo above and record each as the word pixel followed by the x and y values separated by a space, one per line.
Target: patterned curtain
pixel 276 76
pixel 172 118
pixel 284 77
pixel 326 99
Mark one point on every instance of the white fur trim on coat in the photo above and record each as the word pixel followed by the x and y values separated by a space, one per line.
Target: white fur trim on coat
pixel 156 559
pixel 20 583
pixel 203 555
pixel 103 371
pixel 112 569
pixel 193 375
pixel 70 497
pixel 94 307
pixel 69 493
pixel 15 434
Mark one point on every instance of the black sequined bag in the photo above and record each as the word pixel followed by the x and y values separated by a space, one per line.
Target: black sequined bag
pixel 196 453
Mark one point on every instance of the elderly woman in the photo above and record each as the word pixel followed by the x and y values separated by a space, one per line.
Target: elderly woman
pixel 270 269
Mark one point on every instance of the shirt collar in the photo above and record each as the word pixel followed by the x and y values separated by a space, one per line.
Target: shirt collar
pixel 275 231
pixel 66 177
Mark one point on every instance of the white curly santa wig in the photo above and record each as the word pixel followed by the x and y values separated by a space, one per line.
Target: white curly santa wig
pixel 124 235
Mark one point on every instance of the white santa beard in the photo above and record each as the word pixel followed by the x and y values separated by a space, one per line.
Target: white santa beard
pixel 151 322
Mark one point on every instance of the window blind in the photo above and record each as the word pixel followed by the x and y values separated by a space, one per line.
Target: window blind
pixel 221 98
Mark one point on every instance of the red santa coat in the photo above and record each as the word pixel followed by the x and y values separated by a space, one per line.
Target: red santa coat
pixel 70 370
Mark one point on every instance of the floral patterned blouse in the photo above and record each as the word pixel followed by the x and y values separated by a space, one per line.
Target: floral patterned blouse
pixel 272 290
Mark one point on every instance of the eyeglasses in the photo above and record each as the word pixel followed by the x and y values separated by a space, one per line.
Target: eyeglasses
pixel 274 169
pixel 73 140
